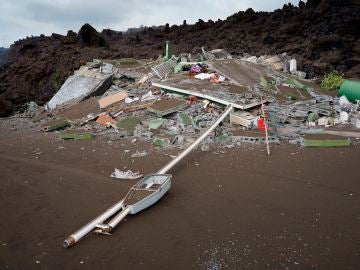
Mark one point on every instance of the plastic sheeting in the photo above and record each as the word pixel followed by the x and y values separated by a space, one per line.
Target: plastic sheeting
pixel 125 175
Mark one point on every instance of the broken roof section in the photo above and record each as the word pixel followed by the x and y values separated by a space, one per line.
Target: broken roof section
pixel 82 109
pixel 167 106
pixel 239 72
pixel 85 82
pixel 224 100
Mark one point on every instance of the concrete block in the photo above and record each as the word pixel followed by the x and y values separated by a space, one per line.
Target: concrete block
pixel 244 119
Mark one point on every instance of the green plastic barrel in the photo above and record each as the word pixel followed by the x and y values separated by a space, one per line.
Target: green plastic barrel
pixel 350 89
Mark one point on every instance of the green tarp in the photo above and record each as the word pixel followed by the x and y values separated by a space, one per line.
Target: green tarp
pixel 326 143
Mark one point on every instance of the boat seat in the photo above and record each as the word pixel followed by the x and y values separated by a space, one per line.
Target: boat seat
pixel 155 186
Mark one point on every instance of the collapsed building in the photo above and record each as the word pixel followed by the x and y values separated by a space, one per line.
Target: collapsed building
pixel 173 99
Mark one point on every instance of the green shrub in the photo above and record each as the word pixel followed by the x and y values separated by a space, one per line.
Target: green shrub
pixel 56 79
pixel 332 81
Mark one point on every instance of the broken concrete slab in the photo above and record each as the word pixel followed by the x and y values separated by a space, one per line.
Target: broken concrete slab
pixel 112 99
pixel 156 123
pixel 106 68
pixel 245 119
pixel 128 124
pixel 167 106
pixel 185 120
pixel 84 83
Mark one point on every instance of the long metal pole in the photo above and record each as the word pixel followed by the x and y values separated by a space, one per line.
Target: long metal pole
pixel 79 234
pixel 196 143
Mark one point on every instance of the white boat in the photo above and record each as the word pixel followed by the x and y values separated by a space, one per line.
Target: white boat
pixel 146 192
pixel 142 195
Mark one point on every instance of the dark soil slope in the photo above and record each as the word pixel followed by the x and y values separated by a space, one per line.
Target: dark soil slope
pixel 321 34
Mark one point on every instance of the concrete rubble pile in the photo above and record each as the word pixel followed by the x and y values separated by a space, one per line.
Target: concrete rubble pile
pixel 169 102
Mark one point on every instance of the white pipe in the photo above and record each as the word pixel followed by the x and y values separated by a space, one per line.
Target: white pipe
pixel 76 236
pixel 107 228
pixel 196 143
pixel 119 217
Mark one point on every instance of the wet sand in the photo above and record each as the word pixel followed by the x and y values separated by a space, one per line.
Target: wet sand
pixel 227 209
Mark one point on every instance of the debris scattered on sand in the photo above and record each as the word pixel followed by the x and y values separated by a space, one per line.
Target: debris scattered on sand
pixel 140 154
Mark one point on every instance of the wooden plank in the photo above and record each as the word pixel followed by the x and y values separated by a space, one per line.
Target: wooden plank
pixel 109 100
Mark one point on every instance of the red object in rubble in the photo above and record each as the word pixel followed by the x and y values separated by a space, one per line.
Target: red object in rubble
pixel 192 100
pixel 261 124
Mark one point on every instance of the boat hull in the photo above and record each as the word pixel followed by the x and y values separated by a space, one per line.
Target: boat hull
pixel 151 199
